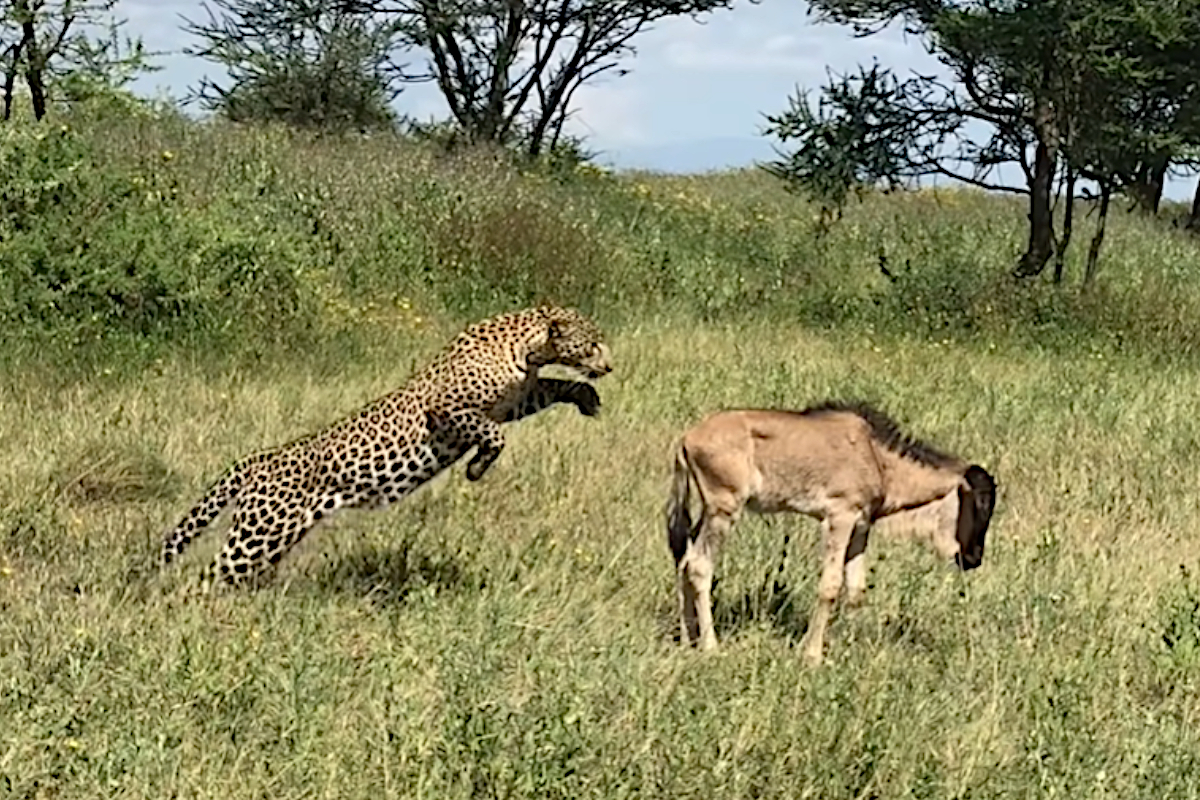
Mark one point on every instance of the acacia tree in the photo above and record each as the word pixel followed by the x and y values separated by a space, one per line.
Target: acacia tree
pixel 508 69
pixel 1061 87
pixel 309 63
pixel 1132 98
pixel 43 42
pixel 875 130
pixel 1001 62
pixel 1133 110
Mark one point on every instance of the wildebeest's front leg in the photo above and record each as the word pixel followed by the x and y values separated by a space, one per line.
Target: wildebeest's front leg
pixel 856 565
pixel 549 391
pixel 837 530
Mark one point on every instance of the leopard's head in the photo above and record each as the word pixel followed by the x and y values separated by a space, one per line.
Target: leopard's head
pixel 574 341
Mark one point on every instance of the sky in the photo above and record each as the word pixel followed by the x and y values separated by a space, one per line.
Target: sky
pixel 695 96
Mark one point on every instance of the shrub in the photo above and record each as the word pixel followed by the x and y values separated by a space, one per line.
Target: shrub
pixel 91 250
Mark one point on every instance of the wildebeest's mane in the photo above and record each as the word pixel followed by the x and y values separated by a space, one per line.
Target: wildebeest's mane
pixel 886 432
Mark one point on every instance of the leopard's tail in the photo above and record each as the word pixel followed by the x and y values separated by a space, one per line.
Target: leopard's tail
pixel 204 512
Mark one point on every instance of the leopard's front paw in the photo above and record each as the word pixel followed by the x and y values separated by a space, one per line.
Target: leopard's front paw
pixel 480 463
pixel 588 400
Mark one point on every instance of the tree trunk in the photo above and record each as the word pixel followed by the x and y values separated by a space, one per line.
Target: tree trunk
pixel 1060 252
pixel 1147 190
pixel 34 64
pixel 563 85
pixel 12 60
pixel 1041 212
pixel 10 85
pixel 1193 223
pixel 1098 239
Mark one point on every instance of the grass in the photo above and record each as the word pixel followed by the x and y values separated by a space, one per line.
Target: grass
pixel 516 637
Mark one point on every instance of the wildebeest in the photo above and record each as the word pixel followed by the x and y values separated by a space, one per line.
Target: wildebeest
pixel 846 464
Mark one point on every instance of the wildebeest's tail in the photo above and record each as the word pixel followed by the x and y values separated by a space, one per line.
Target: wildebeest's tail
pixel 680 527
pixel 203 513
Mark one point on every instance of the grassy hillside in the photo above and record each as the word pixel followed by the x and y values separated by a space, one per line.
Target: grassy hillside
pixel 515 637
pixel 126 238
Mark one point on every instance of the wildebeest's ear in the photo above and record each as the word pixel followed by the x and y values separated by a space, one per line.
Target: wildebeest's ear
pixel 976 500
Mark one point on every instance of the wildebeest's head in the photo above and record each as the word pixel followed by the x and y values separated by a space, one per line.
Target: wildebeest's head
pixel 976 500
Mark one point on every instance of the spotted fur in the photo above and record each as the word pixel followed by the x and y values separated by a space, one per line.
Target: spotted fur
pixel 487 376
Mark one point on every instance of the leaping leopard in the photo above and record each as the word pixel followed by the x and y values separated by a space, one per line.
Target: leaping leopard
pixel 488 375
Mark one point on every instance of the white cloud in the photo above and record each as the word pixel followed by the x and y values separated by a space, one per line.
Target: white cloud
pixel 754 43
pixel 779 44
pixel 610 113
pixel 693 56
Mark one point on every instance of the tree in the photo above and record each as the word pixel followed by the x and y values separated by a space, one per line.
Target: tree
pixel 308 63
pixel 1193 221
pixel 1063 89
pixel 1001 61
pixel 509 69
pixel 1134 95
pixel 858 135
pixel 45 42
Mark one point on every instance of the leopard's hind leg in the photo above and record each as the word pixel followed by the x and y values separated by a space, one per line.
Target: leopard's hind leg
pixel 264 529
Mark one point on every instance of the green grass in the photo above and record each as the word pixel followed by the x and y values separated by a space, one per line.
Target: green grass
pixel 516 637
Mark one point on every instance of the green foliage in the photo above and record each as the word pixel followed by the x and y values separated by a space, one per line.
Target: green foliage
pixel 308 63
pixel 857 137
pixel 1178 647
pixel 1000 56
pixel 92 249
pixel 1103 89
pixel 101 66
pixel 1120 75
pixel 160 232
pixel 524 251
pixel 568 155
pixel 64 51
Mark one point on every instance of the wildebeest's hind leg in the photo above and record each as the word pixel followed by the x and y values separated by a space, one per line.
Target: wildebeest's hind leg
pixel 695 576
pixel 837 531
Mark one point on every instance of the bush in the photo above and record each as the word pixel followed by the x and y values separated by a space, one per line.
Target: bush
pixel 91 249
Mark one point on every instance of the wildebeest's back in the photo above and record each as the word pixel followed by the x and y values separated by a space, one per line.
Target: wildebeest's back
pixel 785 458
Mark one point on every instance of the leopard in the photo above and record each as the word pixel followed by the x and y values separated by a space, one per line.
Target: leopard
pixel 485 377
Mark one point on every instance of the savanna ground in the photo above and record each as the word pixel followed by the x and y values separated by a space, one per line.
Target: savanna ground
pixel 176 296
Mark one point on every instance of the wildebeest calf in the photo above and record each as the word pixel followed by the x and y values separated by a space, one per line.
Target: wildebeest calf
pixel 845 464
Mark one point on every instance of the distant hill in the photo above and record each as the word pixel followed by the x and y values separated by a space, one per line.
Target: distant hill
pixel 697 155
pixel 725 152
